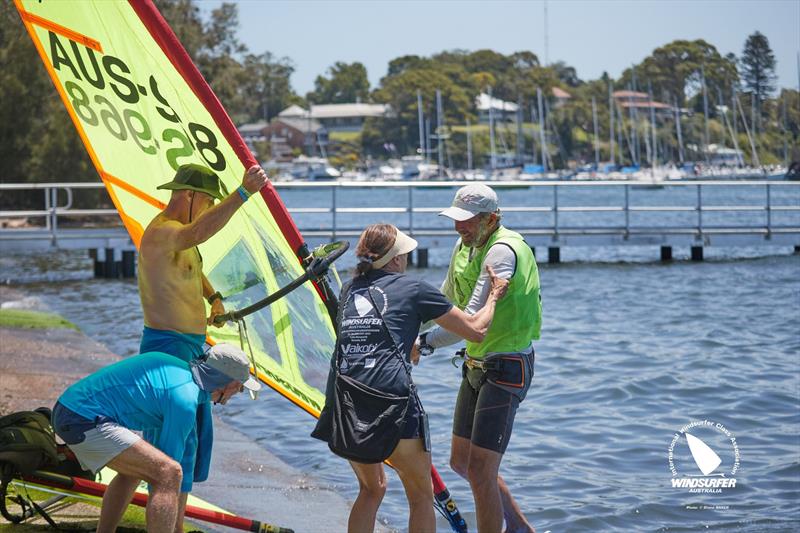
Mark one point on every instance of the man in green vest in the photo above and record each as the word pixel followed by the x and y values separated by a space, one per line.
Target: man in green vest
pixel 497 372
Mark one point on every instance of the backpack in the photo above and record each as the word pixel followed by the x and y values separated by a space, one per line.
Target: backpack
pixel 28 443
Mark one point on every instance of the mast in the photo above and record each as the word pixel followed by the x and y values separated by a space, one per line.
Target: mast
pixel 678 129
pixel 439 132
pixel 705 111
pixel 654 159
pixel 783 125
pixel 427 140
pixel 546 37
pixel 596 140
pixel 611 121
pixel 533 133
pixel 542 134
pixel 736 125
pixel 493 156
pixel 469 145
pixel 420 118
pixel 520 138
pixel 754 159
pixel 633 117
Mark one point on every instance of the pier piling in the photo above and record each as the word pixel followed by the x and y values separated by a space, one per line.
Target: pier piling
pixel 666 253
pixel 554 255
pixel 697 253
pixel 422 257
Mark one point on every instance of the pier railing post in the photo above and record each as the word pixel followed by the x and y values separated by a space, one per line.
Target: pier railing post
pixel 627 212
pixel 699 212
pixel 769 211
pixel 333 211
pixel 411 210
pixel 54 214
pixel 555 212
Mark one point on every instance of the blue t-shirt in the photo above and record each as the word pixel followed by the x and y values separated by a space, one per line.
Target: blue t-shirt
pixel 150 391
pixel 405 304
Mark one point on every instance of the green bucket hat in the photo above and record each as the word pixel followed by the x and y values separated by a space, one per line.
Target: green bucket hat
pixel 197 178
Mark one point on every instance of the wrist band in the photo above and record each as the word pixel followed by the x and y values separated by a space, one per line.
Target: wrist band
pixel 216 296
pixel 243 193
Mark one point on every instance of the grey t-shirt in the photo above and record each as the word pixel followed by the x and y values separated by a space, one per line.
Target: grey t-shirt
pixel 366 350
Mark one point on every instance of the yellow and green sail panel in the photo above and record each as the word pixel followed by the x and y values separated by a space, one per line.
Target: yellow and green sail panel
pixel 142 109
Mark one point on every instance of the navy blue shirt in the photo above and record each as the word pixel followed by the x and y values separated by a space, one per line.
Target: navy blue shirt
pixel 405 304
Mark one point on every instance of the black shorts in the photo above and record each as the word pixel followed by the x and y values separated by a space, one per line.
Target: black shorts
pixel 484 411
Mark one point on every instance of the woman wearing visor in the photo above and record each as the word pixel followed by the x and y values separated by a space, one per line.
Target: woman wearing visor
pixel 380 313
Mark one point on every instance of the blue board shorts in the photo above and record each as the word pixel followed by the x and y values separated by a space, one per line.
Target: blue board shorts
pixel 94 442
pixel 188 347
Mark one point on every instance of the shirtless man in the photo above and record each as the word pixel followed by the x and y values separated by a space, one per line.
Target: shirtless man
pixel 172 287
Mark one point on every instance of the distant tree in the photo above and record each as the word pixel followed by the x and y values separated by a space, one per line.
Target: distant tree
pixel 758 68
pixel 184 19
pixel 345 83
pixel 402 127
pixel 566 73
pixel 266 88
pixel 676 70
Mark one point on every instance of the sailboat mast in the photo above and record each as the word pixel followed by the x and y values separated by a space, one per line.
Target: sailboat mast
pixel 705 111
pixel 420 118
pixel 439 132
pixel 469 145
pixel 611 121
pixel 739 155
pixel 634 118
pixel 542 134
pixel 596 140
pixel 654 159
pixel 520 138
pixel 754 159
pixel 533 133
pixel 678 129
pixel 493 156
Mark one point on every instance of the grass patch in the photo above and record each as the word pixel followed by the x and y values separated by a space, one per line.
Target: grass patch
pixel 23 318
pixel 345 136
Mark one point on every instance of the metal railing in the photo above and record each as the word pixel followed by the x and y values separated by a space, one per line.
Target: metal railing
pixel 556 208
pixel 555 231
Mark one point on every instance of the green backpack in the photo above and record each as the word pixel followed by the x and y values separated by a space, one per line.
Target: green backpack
pixel 27 441
pixel 27 444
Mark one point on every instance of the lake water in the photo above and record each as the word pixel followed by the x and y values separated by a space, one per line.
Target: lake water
pixel 632 351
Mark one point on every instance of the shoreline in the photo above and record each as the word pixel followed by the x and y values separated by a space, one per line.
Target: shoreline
pixel 36 365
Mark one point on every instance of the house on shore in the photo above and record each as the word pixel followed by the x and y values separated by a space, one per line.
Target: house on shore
pixel 640 102
pixel 504 111
pixel 338 117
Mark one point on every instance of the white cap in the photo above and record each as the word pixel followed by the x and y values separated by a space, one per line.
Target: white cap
pixel 471 200
pixel 403 244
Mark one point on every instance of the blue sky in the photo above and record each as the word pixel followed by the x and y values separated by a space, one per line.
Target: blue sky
pixel 591 35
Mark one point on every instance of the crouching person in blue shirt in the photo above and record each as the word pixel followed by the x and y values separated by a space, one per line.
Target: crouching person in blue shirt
pixel 97 415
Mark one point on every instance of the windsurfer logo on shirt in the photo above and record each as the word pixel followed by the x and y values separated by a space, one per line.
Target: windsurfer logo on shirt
pixel 363 303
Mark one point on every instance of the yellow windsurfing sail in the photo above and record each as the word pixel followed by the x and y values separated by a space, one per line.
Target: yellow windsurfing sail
pixel 142 109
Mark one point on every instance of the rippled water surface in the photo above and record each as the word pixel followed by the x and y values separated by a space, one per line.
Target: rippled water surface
pixel 630 353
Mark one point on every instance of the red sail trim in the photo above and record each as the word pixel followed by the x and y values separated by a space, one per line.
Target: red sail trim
pixel 176 53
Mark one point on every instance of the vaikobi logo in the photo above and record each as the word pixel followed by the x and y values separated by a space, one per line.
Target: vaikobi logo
pixel 705 451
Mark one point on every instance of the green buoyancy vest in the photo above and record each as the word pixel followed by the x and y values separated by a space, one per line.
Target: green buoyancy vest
pixel 518 316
